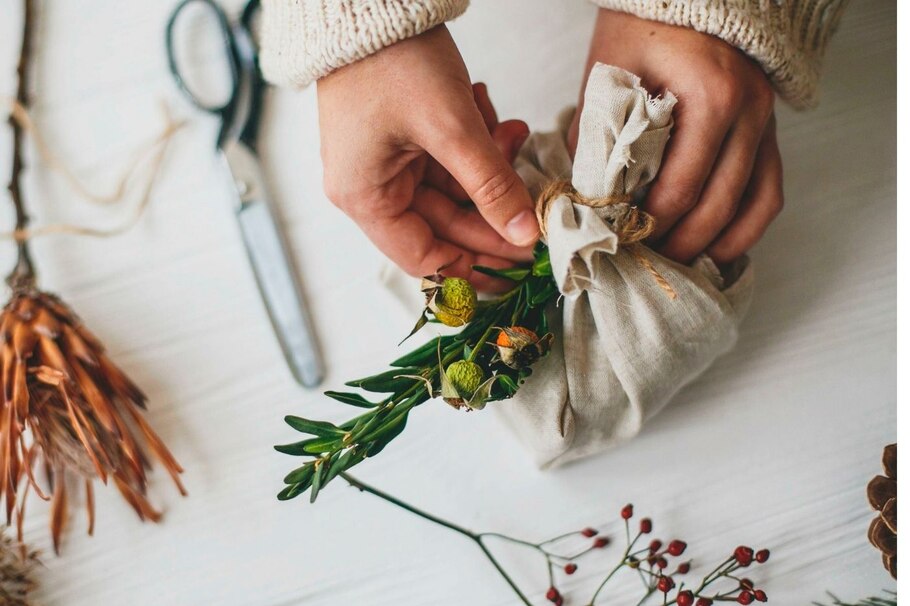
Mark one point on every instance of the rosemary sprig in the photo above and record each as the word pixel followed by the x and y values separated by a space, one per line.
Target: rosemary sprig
pixel 416 377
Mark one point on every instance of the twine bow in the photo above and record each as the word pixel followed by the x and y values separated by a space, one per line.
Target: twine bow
pixel 630 224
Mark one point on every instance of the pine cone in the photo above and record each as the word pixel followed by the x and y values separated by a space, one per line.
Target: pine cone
pixel 16 566
pixel 882 493
pixel 67 406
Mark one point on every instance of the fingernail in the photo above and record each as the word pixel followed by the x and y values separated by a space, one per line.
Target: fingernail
pixel 523 229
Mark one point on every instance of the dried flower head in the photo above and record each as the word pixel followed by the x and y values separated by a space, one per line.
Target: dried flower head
pixel 67 408
pixel 16 566
pixel 452 300
pixel 463 385
pixel 520 347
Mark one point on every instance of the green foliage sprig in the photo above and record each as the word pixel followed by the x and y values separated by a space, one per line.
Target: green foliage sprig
pixel 420 375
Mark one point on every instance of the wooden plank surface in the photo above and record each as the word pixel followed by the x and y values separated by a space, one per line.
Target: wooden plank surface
pixel 772 447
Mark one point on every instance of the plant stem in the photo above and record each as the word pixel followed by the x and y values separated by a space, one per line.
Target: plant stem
pixel 477 538
pixel 23 274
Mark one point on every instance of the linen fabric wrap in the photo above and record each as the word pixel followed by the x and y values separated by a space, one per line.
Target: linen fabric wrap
pixel 623 346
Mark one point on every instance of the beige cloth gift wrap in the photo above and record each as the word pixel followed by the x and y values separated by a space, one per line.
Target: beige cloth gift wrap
pixel 624 345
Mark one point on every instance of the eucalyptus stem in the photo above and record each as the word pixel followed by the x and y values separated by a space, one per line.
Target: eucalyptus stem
pixel 23 274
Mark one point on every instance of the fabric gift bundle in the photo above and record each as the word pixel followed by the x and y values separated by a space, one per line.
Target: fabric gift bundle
pixel 633 327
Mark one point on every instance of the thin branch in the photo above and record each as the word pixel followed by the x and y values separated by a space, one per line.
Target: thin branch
pixel 23 274
pixel 477 538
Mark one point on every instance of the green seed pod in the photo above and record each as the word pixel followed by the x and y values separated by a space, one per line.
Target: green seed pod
pixel 466 377
pixel 455 302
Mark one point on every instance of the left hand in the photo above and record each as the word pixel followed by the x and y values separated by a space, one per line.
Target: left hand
pixel 720 183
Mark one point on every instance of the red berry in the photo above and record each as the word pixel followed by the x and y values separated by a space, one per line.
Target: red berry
pixel 676 547
pixel 704 602
pixel 588 532
pixel 685 598
pixel 743 555
pixel 745 598
pixel 762 556
pixel 661 563
pixel 552 594
pixel 626 512
pixel 665 584
pixel 683 568
pixel 558 601
pixel 601 542
pixel 655 546
pixel 761 596
pixel 645 525
pixel 570 568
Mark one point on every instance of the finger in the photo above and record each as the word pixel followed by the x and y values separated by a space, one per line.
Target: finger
pixel 471 156
pixel 508 136
pixel 691 153
pixel 464 226
pixel 763 202
pixel 482 99
pixel 407 240
pixel 720 196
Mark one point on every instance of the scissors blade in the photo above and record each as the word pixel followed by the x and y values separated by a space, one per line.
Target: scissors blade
pixel 268 256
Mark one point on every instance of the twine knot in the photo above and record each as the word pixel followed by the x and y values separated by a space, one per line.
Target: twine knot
pixel 630 224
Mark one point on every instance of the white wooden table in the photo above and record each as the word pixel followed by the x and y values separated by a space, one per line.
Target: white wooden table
pixel 773 447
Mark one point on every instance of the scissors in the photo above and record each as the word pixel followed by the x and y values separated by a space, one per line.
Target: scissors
pixel 236 144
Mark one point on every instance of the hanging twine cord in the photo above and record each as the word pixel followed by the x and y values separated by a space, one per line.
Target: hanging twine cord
pixel 154 150
pixel 630 224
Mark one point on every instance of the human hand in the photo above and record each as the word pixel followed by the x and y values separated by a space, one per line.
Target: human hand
pixel 406 140
pixel 720 183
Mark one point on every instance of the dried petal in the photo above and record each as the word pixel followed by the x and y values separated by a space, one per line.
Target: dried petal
pixel 889 514
pixel 889 461
pixel 882 537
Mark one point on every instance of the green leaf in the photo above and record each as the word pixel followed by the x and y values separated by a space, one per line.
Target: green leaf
pixel 541 266
pixel 515 274
pixel 321 445
pixel 300 475
pixel 316 428
pixel 542 296
pixel 354 399
pixel 507 383
pixel 393 432
pixel 296 449
pixel 292 491
pixel 421 322
pixel 390 381
pixel 419 356
pixel 317 482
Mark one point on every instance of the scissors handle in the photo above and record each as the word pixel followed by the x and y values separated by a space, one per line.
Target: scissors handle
pixel 230 48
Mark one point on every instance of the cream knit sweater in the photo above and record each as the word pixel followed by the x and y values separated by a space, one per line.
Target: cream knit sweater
pixel 304 40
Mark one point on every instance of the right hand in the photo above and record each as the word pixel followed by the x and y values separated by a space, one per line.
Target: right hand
pixel 405 141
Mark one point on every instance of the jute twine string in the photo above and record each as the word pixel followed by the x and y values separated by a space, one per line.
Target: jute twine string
pixel 156 149
pixel 631 226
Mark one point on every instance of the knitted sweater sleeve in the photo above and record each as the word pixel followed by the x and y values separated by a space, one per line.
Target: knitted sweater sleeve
pixel 787 38
pixel 304 40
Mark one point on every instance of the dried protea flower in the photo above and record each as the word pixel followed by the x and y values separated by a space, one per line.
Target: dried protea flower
pixel 452 300
pixel 882 493
pixel 16 566
pixel 520 347
pixel 68 409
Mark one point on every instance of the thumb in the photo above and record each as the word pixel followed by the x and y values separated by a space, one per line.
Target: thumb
pixel 476 162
